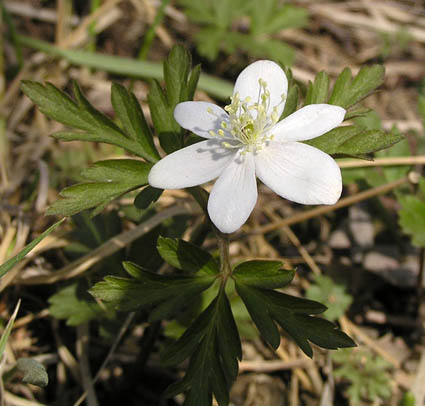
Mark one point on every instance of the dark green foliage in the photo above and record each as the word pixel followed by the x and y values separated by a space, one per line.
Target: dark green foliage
pixel 93 125
pixel 180 85
pixel 348 91
pixel 293 314
pixel 186 256
pixel 128 111
pixel 355 141
pixel 213 345
pixel 108 180
pixel 163 295
pixel 263 274
pixel 147 196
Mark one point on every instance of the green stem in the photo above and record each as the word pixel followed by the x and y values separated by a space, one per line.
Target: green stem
pixel 223 246
pixel 150 34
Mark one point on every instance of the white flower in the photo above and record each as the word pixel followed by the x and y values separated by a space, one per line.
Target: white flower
pixel 246 140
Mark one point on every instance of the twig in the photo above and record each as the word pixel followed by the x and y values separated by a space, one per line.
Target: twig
pixel 82 347
pixel 120 335
pixel 108 248
pixel 273 365
pixel 393 161
pixel 418 388
pixel 347 201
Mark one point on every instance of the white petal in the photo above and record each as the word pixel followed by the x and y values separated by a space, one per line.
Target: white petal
pixel 308 122
pixel 191 166
pixel 234 194
pixel 299 172
pixel 194 116
pixel 247 83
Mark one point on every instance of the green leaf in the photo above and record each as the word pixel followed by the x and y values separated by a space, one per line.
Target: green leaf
pixel 214 347
pixel 347 91
pixel 79 114
pixel 169 132
pixel 10 263
pixel 147 196
pixel 128 110
pixel 33 372
pixel 176 72
pixel 317 92
pixel 8 330
pixel 179 87
pixel 126 67
pixel 209 42
pixel 354 141
pixel 263 274
pixel 412 218
pixel 326 291
pixel 259 312
pixel 293 314
pixel 187 256
pixel 366 374
pixel 109 180
pixel 165 295
pixel 269 16
pixel 75 305
pixel 291 101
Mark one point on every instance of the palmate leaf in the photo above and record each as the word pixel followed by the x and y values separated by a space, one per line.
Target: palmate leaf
pixel 108 180
pixel 164 295
pixel 268 307
pixel 212 342
pixel 94 125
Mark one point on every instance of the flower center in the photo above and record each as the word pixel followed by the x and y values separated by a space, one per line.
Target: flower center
pixel 249 122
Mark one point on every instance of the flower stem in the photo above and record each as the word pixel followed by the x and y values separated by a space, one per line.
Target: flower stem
pixel 223 245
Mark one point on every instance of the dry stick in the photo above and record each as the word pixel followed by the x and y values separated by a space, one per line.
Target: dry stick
pixel 418 388
pixel 300 373
pixel 346 201
pixel 82 352
pixel 83 27
pixel 273 365
pixel 394 161
pixel 121 333
pixel 111 246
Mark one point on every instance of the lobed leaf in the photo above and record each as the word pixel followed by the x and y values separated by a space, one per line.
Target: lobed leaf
pixel 165 295
pixel 74 305
pixel 317 92
pixel 79 114
pixel 263 274
pixel 186 256
pixel 293 314
pixel 110 179
pixel 128 110
pixel 147 196
pixel 348 91
pixel 180 86
pixel 355 141
pixel 412 218
pixel 214 347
